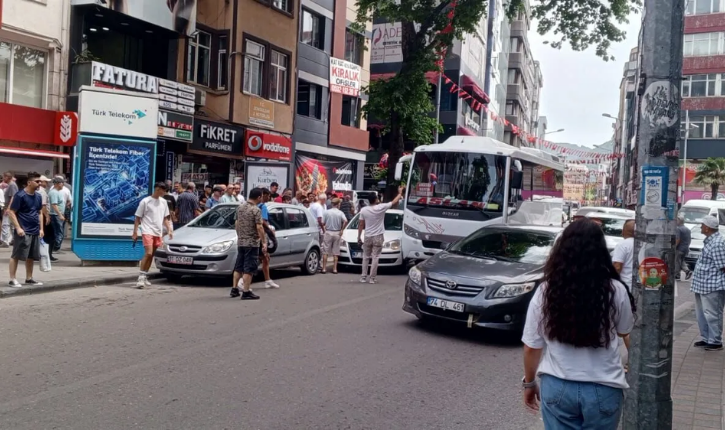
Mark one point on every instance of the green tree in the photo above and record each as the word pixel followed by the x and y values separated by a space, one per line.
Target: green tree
pixel 712 173
pixel 403 101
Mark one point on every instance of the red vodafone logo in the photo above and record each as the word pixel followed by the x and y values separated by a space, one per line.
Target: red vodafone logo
pixel 269 146
pixel 254 142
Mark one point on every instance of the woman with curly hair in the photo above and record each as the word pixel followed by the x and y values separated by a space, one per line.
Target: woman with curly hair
pixel 570 336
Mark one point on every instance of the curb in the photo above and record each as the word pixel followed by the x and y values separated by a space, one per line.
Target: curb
pixel 71 284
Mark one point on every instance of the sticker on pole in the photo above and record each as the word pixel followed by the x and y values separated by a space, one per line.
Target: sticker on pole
pixel 660 106
pixel 653 273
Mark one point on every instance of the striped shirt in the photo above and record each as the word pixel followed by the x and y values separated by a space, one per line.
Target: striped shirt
pixel 187 204
pixel 709 276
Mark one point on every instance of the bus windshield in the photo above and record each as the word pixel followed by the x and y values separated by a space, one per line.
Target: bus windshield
pixel 458 180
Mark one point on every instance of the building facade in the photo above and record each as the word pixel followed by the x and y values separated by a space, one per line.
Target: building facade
pixel 499 29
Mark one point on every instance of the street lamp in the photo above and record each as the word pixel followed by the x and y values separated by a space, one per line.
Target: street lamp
pixel 555 131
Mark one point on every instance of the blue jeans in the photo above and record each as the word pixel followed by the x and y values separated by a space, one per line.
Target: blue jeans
pixel 569 405
pixel 59 228
pixel 709 310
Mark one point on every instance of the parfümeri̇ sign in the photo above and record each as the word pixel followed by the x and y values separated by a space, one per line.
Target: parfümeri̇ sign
pixel 344 77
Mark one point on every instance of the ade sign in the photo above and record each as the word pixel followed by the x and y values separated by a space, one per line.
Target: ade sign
pixel 344 77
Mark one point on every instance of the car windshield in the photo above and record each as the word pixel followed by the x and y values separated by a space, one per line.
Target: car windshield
pixel 697 233
pixel 506 245
pixel 693 215
pixel 393 222
pixel 458 180
pixel 218 217
pixel 612 227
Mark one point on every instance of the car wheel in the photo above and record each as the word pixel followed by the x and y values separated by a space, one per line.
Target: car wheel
pixel 312 262
pixel 173 278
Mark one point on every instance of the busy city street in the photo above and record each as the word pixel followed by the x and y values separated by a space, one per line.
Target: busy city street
pixel 323 352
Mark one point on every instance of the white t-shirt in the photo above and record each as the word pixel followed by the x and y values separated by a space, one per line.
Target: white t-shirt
pixel 334 219
pixel 67 196
pixel 598 365
pixel 152 213
pixel 624 253
pixel 318 211
pixel 374 217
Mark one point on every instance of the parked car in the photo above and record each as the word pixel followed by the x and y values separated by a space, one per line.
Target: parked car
pixel 208 245
pixel 391 256
pixel 612 225
pixel 484 280
pixel 581 213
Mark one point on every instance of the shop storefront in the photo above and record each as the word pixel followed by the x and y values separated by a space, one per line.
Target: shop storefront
pixel 215 154
pixel 323 174
pixel 35 140
pixel 268 159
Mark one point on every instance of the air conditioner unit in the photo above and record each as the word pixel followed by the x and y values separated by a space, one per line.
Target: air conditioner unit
pixel 200 97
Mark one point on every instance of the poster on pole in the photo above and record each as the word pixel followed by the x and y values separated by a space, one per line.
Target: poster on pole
pixel 261 175
pixel 115 175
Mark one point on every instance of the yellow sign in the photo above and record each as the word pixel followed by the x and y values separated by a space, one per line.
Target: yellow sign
pixel 261 112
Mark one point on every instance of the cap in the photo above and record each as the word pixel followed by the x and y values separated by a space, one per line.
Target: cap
pixel 44 178
pixel 58 180
pixel 711 222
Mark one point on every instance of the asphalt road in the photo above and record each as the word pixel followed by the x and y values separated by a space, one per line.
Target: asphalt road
pixel 323 352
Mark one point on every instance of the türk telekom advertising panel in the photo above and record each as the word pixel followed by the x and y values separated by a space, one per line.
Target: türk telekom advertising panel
pixel 316 176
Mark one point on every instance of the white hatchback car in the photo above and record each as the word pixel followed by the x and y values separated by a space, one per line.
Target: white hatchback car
pixel 391 256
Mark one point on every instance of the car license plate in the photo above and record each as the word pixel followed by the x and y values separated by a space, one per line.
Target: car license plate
pixel 446 304
pixel 357 254
pixel 173 259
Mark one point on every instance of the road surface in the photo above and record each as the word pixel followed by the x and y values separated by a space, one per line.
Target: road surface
pixel 323 352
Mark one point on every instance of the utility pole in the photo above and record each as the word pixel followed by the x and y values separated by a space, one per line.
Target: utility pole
pixel 649 405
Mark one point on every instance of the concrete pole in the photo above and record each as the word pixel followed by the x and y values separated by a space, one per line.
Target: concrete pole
pixel 649 405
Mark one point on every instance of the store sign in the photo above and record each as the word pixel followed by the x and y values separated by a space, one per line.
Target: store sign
pixel 118 114
pixel 470 123
pixel 215 137
pixel 39 126
pixel 387 43
pixel 175 126
pixel 344 77
pixel 270 146
pixel 176 96
pixel 260 175
pixel 317 176
pixel 170 166
pixel 261 112
pixel 65 130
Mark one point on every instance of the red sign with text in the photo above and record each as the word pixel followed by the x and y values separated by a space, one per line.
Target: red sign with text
pixel 40 126
pixel 266 145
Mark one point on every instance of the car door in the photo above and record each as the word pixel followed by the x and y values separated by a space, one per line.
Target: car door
pixel 281 255
pixel 300 234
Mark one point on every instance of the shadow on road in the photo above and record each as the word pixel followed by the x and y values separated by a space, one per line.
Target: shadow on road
pixel 475 335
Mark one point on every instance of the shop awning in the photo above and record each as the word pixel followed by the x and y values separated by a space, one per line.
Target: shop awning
pixel 472 87
pixel 33 152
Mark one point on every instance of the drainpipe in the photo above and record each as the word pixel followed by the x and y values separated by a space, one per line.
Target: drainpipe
pixel 232 72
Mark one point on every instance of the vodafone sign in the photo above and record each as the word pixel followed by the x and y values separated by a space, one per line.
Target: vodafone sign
pixel 269 146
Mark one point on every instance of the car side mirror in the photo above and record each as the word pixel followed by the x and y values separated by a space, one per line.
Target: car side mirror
pixel 517 180
pixel 399 171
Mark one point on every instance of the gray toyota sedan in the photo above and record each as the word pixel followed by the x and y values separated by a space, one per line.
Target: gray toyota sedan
pixel 484 280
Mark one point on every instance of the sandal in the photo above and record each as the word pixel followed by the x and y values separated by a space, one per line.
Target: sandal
pixel 323 271
pixel 334 272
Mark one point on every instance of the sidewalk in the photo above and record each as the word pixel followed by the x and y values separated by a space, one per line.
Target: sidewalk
pixel 66 273
pixel 697 381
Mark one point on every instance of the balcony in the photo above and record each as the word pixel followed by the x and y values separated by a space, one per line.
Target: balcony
pixel 516 92
pixel 518 29
pixel 517 60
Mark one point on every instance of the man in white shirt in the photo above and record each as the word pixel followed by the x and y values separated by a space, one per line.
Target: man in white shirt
pixel 623 259
pixel 372 220
pixel 152 215
pixel 318 209
pixel 335 222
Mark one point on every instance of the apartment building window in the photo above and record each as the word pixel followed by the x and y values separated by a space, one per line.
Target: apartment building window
pixel 354 45
pixel 22 75
pixel 309 99
pixel 254 54
pixel 282 5
pixel 313 29
pixel 703 44
pixel 278 78
pixel 699 85
pixel 510 110
pixel 514 77
pixel 516 44
pixel 198 62
pixel 702 7
pixel 708 126
pixel 351 111
pixel 222 62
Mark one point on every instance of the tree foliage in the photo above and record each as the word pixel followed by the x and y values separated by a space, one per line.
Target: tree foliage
pixel 712 173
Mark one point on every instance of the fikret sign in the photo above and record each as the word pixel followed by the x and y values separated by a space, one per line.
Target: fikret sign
pixel 225 139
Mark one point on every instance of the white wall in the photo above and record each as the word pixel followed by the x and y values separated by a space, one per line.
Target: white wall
pixel 41 24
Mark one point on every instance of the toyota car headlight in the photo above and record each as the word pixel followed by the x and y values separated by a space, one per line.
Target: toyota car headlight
pixel 415 276
pixel 218 247
pixel 392 245
pixel 514 290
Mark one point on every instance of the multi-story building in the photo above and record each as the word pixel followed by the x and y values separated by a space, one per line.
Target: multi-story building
pixel 524 83
pixel 499 29
pixel 33 70
pixel 621 179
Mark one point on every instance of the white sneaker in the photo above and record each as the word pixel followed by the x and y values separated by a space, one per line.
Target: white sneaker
pixel 146 281
pixel 363 279
pixel 270 284
pixel 141 283
pixel 15 284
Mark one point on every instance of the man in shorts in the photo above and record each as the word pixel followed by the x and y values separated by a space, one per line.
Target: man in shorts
pixel 250 236
pixel 372 220
pixel 26 215
pixel 152 215
pixel 335 222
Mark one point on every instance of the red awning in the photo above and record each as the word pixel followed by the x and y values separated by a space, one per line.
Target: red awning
pixel 431 76
pixel 465 132
pixel 33 152
pixel 472 87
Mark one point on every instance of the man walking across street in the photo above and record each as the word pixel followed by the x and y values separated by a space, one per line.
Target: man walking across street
pixel 708 284
pixel 187 205
pixel 623 260
pixel 10 190
pixel 26 214
pixel 684 237
pixel 263 254
pixel 48 227
pixel 250 238
pixel 318 209
pixel 372 220
pixel 58 205
pixel 152 215
pixel 334 221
